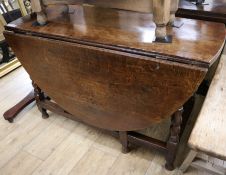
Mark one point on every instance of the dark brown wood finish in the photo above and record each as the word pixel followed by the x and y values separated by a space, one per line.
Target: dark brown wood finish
pixel 100 68
pixel 130 32
pixel 108 89
pixel 123 136
pixel 174 138
pixel 11 113
pixel 115 86
pixel 40 96
pixel 214 10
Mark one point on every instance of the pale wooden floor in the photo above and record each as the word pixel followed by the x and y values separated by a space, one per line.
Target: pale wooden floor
pixel 59 146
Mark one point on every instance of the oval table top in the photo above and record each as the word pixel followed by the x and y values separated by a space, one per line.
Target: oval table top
pixel 195 43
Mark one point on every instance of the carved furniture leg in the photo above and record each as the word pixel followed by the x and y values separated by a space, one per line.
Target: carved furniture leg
pixel 41 18
pixel 173 22
pixel 40 96
pixel 174 8
pixel 123 136
pixel 12 112
pixel 174 139
pixel 38 8
pixel 200 2
pixel 161 16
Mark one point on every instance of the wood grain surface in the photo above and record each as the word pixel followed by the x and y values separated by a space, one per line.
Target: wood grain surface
pixel 196 42
pixel 108 89
pixel 107 73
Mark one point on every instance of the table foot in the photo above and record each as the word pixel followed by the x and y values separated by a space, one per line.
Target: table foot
pixel 45 115
pixel 166 39
pixel 200 3
pixel 15 110
pixel 176 24
pixel 123 136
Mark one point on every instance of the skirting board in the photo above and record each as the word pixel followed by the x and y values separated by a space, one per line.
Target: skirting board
pixel 8 67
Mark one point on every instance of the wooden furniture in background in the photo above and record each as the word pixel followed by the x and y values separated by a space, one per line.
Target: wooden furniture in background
pixel 208 136
pixel 212 10
pixel 163 11
pixel 7 63
pixel 25 7
pixel 8 67
pixel 11 113
pixel 112 75
pixel 10 11
pixel 6 56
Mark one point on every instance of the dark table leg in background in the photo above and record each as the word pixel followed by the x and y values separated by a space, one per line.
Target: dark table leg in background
pixel 12 112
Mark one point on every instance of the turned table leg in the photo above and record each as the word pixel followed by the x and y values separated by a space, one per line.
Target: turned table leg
pixel 173 22
pixel 41 18
pixel 123 136
pixel 40 96
pixel 161 16
pixel 15 110
pixel 174 8
pixel 200 2
pixel 174 139
pixel 38 8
